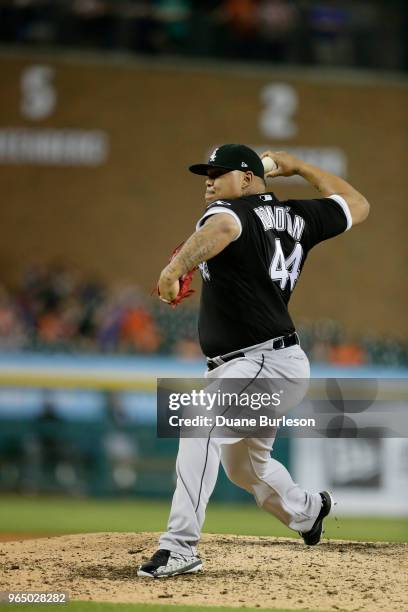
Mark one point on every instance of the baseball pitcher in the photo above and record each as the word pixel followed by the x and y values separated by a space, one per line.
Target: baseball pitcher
pixel 250 249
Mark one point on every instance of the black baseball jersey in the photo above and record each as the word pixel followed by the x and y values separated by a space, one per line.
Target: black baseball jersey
pixel 247 287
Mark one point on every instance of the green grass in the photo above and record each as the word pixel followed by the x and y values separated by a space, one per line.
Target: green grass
pixel 89 606
pixel 67 515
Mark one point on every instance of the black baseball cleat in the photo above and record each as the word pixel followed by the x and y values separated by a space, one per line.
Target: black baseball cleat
pixel 164 564
pixel 312 537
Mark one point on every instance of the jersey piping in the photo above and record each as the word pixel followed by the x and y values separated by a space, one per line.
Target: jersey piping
pixel 342 202
pixel 220 209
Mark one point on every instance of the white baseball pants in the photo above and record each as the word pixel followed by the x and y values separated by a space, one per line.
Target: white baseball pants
pixel 246 461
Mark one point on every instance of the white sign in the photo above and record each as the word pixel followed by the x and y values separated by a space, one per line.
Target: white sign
pixel 53 147
pixel 330 159
pixel 48 146
pixel 367 477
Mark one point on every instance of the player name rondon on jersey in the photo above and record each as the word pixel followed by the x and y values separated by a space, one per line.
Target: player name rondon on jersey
pixel 279 219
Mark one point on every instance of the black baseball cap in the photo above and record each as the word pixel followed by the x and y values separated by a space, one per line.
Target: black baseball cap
pixel 232 157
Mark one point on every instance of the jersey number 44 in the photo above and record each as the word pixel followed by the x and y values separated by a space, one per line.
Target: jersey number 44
pixel 284 270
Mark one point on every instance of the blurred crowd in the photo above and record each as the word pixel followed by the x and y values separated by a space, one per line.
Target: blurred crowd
pixel 58 308
pixel 367 33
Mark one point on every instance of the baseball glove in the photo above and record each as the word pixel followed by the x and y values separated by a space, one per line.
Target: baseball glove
pixel 185 282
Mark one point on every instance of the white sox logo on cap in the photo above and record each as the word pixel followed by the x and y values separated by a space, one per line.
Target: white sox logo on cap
pixel 231 157
pixel 213 155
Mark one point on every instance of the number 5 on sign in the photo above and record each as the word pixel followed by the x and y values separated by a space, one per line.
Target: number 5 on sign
pixel 283 270
pixel 39 96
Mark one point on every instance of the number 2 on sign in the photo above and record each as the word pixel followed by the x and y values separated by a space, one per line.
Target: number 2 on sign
pixel 284 270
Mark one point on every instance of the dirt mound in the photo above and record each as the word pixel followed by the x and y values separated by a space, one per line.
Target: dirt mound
pixel 238 571
pixel 12 537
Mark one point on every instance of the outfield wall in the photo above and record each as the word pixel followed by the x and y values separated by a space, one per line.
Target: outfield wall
pixel 94 156
pixel 106 409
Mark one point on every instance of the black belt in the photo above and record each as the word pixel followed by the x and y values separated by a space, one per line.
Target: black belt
pixel 277 344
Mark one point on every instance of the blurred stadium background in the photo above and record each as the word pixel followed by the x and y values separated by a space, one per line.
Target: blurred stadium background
pixel 104 105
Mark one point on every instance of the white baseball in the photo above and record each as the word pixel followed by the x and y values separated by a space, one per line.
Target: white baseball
pixel 268 164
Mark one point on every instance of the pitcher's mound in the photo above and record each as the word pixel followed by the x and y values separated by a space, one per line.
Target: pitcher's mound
pixel 238 571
